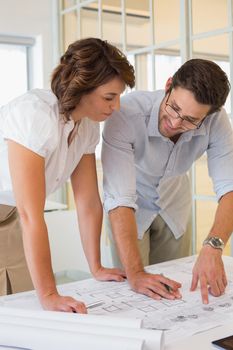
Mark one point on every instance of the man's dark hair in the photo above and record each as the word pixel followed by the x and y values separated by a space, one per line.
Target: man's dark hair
pixel 206 80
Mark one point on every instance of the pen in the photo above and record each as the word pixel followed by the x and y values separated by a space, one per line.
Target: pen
pixel 168 288
pixel 92 305
pixel 95 304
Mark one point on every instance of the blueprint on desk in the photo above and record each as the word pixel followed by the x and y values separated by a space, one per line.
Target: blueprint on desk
pixel 178 318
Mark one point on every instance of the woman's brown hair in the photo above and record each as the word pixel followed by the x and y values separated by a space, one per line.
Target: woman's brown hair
pixel 87 64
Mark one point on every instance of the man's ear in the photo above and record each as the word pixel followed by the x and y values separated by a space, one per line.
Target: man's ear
pixel 168 84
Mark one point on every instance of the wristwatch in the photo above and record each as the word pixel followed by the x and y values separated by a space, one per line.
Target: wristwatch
pixel 214 242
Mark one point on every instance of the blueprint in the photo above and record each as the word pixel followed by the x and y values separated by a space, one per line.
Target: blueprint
pixel 178 318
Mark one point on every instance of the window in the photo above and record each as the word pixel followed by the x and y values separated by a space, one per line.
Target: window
pixel 13 72
pixel 14 67
pixel 158 36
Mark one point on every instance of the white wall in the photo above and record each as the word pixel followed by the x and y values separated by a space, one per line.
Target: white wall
pixel 65 241
pixel 31 18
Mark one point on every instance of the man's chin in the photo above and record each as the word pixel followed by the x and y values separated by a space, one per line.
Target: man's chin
pixel 168 132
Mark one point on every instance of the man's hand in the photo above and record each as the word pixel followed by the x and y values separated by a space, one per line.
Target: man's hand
pixel 56 302
pixel 155 286
pixel 209 270
pixel 106 274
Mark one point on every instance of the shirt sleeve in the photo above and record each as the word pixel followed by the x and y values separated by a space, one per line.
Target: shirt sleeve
pixel 220 154
pixel 119 180
pixel 29 122
pixel 94 137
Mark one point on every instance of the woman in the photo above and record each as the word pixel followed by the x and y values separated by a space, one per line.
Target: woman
pixel 47 137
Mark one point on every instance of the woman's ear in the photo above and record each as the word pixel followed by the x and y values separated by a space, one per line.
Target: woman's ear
pixel 168 84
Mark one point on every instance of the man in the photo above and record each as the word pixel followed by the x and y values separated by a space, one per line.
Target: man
pixel 148 148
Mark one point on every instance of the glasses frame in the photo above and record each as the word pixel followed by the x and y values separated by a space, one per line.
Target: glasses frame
pixel 178 116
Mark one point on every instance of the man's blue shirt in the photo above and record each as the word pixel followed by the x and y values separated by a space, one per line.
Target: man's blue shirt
pixel 148 172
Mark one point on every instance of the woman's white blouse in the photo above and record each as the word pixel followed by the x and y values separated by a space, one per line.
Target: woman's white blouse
pixel 33 121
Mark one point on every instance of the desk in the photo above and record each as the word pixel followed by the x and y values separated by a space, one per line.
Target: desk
pixel 203 340
pixel 188 324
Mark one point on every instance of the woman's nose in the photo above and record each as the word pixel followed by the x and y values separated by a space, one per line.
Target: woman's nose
pixel 116 104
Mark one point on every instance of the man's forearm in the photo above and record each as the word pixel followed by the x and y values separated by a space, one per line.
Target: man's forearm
pixel 223 222
pixel 125 234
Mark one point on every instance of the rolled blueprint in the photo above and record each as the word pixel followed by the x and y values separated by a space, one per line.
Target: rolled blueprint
pixel 72 317
pixel 153 339
pixel 65 322
pixel 36 338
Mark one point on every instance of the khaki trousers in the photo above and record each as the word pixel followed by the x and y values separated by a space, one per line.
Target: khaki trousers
pixel 158 244
pixel 14 274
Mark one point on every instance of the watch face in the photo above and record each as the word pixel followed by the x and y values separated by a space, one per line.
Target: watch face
pixel 215 242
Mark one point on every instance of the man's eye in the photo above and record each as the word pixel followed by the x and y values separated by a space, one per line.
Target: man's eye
pixel 108 98
pixel 175 109
pixel 190 120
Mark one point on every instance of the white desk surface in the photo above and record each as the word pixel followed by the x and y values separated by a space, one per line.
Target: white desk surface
pixel 203 340
pixel 191 325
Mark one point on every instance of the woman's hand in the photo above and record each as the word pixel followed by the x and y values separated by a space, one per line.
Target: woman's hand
pixel 56 302
pixel 106 274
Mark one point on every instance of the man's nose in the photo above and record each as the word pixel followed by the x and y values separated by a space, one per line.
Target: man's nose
pixel 176 122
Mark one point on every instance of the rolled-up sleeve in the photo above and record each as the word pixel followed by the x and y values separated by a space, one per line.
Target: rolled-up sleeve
pixel 220 155
pixel 30 122
pixel 119 180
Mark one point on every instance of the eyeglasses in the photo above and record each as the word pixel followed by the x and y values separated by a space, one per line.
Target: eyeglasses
pixel 187 123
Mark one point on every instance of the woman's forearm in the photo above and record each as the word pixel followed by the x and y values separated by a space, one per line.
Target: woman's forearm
pixel 90 224
pixel 37 252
